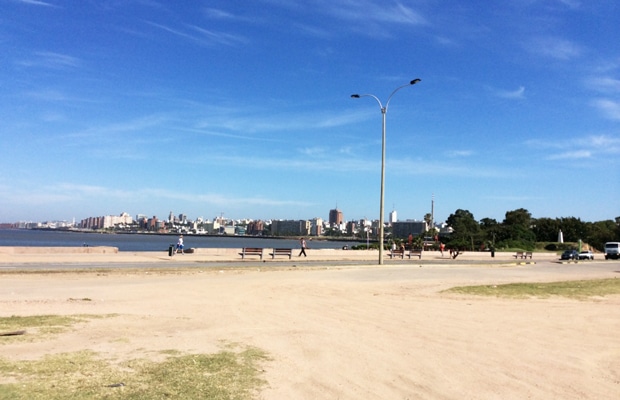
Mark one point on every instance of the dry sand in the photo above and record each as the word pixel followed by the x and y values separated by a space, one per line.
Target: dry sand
pixel 348 332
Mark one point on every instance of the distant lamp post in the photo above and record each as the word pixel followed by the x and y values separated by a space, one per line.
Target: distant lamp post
pixel 383 112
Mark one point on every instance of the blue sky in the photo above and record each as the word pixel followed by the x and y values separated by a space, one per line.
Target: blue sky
pixel 243 108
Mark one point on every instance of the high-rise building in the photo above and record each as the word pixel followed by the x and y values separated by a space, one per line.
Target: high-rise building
pixel 317 227
pixel 393 217
pixel 336 217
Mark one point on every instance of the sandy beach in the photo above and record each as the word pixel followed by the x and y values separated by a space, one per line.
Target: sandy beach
pixel 334 329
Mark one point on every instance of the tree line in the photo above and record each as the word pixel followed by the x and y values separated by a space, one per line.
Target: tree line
pixel 519 230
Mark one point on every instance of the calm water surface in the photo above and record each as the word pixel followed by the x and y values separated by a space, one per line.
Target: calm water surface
pixel 148 242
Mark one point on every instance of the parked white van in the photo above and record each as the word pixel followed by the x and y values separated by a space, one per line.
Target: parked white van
pixel 612 250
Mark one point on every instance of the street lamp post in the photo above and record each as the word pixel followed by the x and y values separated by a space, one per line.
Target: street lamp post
pixel 383 112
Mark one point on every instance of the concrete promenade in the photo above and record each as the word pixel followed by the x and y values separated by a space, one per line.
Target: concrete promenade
pixel 99 255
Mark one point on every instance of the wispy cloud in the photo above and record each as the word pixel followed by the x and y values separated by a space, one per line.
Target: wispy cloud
pixel 201 36
pixel 514 94
pixel 55 96
pixel 554 47
pixel 395 13
pixel 512 198
pixel 242 121
pixel 589 147
pixel 603 84
pixel 108 131
pixel 71 193
pixel 218 199
pixel 51 60
pixel 459 153
pixel 571 155
pixel 609 108
pixel 37 3
pixel 217 13
pixel 572 4
pixel 223 38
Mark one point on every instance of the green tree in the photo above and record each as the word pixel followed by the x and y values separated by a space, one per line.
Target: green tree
pixel 466 230
pixel 520 217
pixel 546 229
pixel 573 229
pixel 600 232
pixel 491 231
pixel 517 228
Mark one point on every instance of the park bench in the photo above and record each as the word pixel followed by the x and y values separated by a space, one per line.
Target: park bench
pixel 251 251
pixel 519 254
pixel 281 252
pixel 397 253
pixel 414 253
pixel 528 254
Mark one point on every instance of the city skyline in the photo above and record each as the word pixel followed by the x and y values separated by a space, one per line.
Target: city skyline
pixel 246 109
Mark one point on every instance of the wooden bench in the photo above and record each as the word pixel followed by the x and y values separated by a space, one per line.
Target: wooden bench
pixel 519 255
pixel 413 253
pixel 397 253
pixel 281 252
pixel 528 254
pixel 251 251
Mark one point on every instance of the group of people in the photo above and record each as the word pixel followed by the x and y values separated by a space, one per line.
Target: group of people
pixel 304 246
pixel 302 243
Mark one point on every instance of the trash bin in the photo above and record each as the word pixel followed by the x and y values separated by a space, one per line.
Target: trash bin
pixel 171 250
pixel 492 252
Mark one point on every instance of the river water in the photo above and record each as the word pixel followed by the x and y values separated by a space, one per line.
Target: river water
pixel 149 242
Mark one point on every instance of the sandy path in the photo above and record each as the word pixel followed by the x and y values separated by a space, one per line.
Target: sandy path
pixel 351 333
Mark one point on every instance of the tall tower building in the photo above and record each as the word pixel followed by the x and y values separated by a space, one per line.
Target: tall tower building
pixel 393 217
pixel 335 217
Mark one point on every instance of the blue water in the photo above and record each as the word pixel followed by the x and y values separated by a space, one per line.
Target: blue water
pixel 148 242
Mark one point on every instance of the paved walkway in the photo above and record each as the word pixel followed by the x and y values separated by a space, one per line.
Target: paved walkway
pixel 104 255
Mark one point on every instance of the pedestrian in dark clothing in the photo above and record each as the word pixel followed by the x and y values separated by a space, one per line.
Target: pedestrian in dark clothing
pixel 302 241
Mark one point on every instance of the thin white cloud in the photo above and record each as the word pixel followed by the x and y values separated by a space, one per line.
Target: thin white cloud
pixel 588 147
pixel 571 155
pixel 135 125
pixel 200 35
pixel 604 84
pixel 51 60
pixel 53 95
pixel 68 193
pixel 572 4
pixel 602 142
pixel 514 94
pixel 395 13
pixel 240 121
pixel 218 37
pixel 459 153
pixel 594 143
pixel 554 47
pixel 518 198
pixel 609 108
pixel 216 198
pixel 217 13
pixel 37 3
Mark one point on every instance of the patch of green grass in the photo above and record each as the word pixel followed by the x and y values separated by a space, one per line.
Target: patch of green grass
pixel 38 325
pixel 572 289
pixel 83 375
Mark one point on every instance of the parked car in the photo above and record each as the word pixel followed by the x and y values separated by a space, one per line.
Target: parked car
pixel 586 255
pixel 569 255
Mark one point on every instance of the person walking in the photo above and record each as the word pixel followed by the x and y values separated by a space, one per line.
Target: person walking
pixel 302 242
pixel 180 245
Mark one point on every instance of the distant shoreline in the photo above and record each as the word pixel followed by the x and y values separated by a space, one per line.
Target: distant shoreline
pixel 312 238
